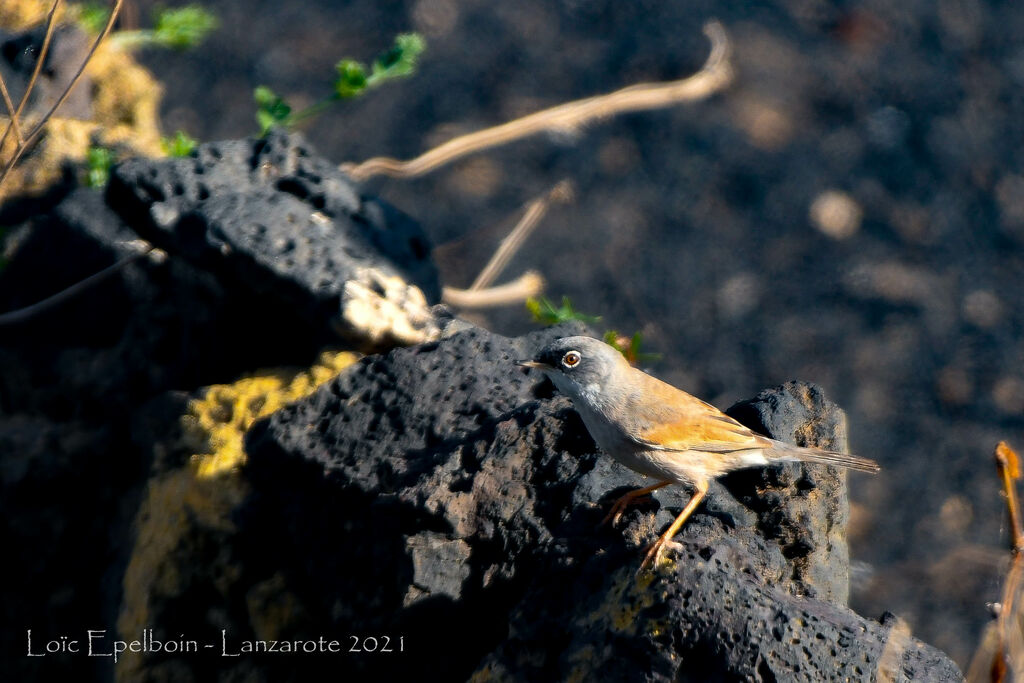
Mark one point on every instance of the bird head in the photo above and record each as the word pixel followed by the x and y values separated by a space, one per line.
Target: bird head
pixel 581 367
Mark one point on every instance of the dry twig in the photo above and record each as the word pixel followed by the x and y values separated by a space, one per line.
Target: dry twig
pixel 25 142
pixel 562 192
pixel 526 285
pixel 51 22
pixel 712 77
pixel 14 116
pixel 480 294
pixel 1000 656
pixel 20 315
pixel 891 659
pixel 38 128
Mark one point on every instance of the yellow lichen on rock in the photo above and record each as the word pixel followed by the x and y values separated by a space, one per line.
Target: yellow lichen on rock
pixel 16 15
pixel 221 417
pixel 126 101
pixel 185 515
pixel 622 604
pixel 619 611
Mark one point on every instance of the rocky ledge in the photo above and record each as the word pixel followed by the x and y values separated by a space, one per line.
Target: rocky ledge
pixel 442 496
pixel 436 501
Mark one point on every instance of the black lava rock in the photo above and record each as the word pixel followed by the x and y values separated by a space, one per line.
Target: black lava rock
pixel 802 508
pixel 76 376
pixel 67 497
pixel 68 48
pixel 151 326
pixel 271 215
pixel 440 493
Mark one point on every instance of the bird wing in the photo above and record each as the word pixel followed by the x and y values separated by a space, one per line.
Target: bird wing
pixel 676 421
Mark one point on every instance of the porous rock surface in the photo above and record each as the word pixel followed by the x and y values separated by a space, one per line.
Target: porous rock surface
pixel 271 214
pixel 79 379
pixel 191 319
pixel 442 493
pixel 151 326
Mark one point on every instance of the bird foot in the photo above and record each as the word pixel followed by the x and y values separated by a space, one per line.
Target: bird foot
pixel 619 507
pixel 655 552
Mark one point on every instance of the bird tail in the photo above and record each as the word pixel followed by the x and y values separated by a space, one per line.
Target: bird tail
pixel 785 451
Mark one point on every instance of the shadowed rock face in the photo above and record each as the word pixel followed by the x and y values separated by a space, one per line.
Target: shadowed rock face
pixel 803 509
pixel 69 46
pixel 87 387
pixel 273 216
pixel 442 493
pixel 262 238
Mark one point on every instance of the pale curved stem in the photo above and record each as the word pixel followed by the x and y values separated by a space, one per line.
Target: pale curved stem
pixel 526 285
pixel 712 77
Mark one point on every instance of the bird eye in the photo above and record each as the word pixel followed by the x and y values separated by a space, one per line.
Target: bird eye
pixel 571 359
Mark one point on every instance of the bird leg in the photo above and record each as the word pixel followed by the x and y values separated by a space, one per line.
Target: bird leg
pixel 625 501
pixel 656 550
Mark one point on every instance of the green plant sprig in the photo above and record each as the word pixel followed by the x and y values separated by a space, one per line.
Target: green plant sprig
pixel 178 28
pixel 630 347
pixel 353 79
pixel 543 311
pixel 98 161
pixel 546 313
pixel 180 145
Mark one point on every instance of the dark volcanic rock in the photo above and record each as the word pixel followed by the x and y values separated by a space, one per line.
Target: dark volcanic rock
pixel 150 327
pixel 804 509
pixel 441 494
pixel 76 434
pixel 270 214
pixel 70 580
pixel 69 46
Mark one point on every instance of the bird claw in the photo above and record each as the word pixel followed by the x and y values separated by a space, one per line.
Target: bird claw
pixel 619 507
pixel 655 552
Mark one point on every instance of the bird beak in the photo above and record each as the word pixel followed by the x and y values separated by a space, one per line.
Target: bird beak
pixel 533 364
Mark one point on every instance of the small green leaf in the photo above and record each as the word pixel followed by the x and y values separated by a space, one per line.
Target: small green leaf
pixel 351 78
pixel 263 96
pixel 629 347
pixel 401 59
pixel 271 109
pixel 93 16
pixel 98 161
pixel 183 27
pixel 181 145
pixel 545 312
pixel 534 308
pixel 266 121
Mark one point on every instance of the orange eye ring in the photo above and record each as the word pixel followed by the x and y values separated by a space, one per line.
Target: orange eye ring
pixel 571 359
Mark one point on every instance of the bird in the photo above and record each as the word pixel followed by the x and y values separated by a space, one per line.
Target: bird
pixel 660 431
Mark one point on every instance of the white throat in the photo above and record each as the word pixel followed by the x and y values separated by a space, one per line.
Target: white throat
pixel 587 398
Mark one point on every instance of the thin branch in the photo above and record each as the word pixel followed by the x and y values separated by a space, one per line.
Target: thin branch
pixel 51 22
pixel 1009 471
pixel 713 76
pixel 10 109
pixel 67 91
pixel 1009 613
pixel 526 285
pixel 562 192
pixel 999 656
pixel 22 314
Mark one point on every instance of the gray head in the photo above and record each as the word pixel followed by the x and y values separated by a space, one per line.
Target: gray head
pixel 578 366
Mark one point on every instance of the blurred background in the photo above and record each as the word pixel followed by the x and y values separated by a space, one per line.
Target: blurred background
pixel 849 212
